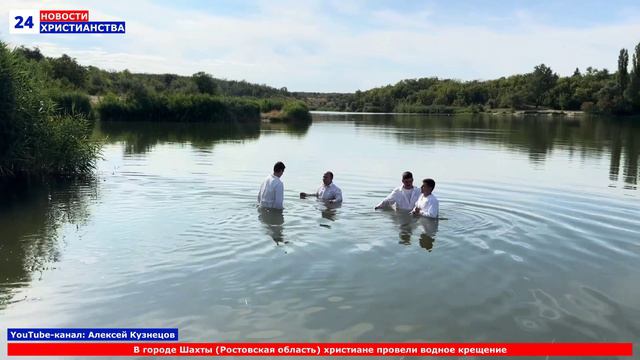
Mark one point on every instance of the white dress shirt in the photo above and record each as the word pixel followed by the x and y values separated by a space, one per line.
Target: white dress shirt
pixel 331 192
pixel 404 199
pixel 429 205
pixel 271 193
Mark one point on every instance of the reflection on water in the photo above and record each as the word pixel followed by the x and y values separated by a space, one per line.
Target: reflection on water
pixel 273 221
pixel 536 135
pixel 31 213
pixel 142 137
pixel 407 224
pixel 537 238
pixel 329 210
pixel 429 230
pixel 295 129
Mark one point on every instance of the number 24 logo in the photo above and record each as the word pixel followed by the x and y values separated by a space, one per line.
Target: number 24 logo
pixel 22 23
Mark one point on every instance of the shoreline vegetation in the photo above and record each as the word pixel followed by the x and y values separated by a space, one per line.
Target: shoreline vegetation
pixel 594 91
pixel 47 105
pixel 37 137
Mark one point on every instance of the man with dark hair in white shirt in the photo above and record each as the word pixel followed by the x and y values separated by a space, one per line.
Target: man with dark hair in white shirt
pixel 404 197
pixel 271 194
pixel 328 191
pixel 428 204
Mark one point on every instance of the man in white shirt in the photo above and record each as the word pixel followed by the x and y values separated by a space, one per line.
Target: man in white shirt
pixel 328 191
pixel 428 204
pixel 271 193
pixel 404 196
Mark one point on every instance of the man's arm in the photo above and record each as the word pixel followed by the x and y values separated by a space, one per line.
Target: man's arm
pixel 431 209
pixel 304 194
pixel 260 192
pixel 279 193
pixel 338 196
pixel 388 201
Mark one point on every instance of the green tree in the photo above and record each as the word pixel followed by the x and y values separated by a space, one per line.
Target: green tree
pixel 66 68
pixel 205 83
pixel 623 74
pixel 30 54
pixel 576 73
pixel 541 81
pixel 632 93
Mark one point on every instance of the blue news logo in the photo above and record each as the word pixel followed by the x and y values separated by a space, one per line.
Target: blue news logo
pixel 60 22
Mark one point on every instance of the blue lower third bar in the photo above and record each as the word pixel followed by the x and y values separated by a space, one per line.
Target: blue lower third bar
pixel 87 27
pixel 93 334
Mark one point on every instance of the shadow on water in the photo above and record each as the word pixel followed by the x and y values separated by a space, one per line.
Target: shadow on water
pixel 536 135
pixel 142 137
pixel 31 214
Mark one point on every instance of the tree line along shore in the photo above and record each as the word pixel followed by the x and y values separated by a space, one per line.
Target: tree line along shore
pixel 47 103
pixel 592 90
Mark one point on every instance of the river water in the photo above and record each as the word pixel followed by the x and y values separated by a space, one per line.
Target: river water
pixel 538 241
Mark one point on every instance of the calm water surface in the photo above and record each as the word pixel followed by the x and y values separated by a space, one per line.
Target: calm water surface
pixel 539 238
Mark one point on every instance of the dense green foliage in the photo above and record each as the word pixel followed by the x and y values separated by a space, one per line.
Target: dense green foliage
pixel 34 138
pixel 75 89
pixel 296 111
pixel 65 74
pixel 267 105
pixel 595 91
pixel 178 107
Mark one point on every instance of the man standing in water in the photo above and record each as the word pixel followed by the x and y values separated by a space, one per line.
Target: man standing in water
pixel 271 193
pixel 328 192
pixel 404 196
pixel 428 204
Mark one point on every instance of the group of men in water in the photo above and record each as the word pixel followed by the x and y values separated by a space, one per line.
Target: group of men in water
pixel 406 197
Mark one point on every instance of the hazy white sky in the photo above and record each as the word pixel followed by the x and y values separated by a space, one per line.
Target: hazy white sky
pixel 337 45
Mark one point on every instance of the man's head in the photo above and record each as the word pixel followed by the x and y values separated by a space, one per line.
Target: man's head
pixel 427 186
pixel 327 178
pixel 278 169
pixel 407 179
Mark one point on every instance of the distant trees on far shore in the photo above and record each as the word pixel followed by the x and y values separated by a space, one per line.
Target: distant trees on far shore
pixel 593 90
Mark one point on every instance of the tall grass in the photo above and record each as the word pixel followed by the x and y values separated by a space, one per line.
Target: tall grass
pixel 72 103
pixel 33 139
pixel 143 106
pixel 267 105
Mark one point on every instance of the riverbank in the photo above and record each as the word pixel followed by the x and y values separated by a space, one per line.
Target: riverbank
pixel 495 112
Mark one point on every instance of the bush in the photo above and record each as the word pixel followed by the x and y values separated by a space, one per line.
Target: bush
pixel 296 111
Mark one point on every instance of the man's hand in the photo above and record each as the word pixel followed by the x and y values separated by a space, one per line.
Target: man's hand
pixel 303 195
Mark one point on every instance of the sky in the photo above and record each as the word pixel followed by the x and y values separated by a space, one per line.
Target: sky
pixel 342 45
